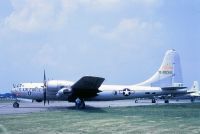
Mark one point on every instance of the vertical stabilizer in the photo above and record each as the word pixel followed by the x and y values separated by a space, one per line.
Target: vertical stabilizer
pixel 169 73
pixel 195 86
pixel 195 89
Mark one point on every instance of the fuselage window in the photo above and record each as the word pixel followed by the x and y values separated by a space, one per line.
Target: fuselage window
pixel 115 92
pixel 147 92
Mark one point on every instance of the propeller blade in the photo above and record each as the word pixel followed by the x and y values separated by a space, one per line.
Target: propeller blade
pixel 45 96
pixel 45 88
pixel 44 80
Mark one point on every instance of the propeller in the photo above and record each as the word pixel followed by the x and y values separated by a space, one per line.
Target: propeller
pixel 45 88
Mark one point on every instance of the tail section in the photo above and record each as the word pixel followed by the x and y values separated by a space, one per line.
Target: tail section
pixel 195 89
pixel 195 86
pixel 169 73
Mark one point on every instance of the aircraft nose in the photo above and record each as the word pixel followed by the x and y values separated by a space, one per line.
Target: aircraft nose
pixel 13 90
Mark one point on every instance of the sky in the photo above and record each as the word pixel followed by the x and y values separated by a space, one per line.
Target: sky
pixel 123 41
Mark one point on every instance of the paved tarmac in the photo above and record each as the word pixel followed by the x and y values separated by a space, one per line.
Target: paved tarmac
pixel 29 107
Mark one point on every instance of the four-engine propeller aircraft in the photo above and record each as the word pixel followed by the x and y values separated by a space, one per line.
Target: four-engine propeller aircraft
pixel 167 80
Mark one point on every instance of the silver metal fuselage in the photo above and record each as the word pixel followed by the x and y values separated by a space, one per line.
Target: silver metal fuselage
pixel 108 92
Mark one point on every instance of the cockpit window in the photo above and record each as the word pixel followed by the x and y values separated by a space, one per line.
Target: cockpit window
pixel 19 85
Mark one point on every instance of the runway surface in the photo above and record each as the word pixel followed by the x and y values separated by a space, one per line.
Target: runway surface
pixel 29 107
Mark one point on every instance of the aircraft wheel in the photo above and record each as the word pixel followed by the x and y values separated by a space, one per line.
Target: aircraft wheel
pixel 136 101
pixel 79 103
pixel 82 105
pixel 153 101
pixel 166 101
pixel 16 105
pixel 192 99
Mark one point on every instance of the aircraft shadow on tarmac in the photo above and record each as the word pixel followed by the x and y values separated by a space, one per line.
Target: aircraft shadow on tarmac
pixel 89 109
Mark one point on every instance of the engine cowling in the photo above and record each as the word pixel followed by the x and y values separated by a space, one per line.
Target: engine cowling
pixel 64 91
pixel 57 84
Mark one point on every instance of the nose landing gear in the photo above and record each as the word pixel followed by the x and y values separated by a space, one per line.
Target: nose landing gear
pixel 16 104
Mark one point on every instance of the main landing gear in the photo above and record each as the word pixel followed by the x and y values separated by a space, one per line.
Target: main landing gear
pixel 192 99
pixel 16 104
pixel 166 101
pixel 79 103
pixel 153 100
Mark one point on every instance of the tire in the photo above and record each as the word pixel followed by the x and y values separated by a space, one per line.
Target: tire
pixel 192 100
pixel 16 105
pixel 153 101
pixel 79 103
pixel 166 101
pixel 82 105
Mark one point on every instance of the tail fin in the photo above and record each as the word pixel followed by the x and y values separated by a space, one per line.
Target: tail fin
pixel 195 86
pixel 169 73
pixel 195 89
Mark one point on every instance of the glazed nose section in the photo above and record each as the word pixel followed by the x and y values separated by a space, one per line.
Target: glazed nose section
pixel 13 90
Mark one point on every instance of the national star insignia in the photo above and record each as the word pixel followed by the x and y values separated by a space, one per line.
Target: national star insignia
pixel 126 92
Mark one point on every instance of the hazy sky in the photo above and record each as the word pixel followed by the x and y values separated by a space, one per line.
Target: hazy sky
pixel 123 41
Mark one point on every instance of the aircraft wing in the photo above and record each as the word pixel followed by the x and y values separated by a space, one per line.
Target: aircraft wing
pixel 88 82
pixel 86 87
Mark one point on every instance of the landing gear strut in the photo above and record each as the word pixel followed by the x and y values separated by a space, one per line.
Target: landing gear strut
pixel 166 101
pixel 192 99
pixel 79 103
pixel 153 100
pixel 16 104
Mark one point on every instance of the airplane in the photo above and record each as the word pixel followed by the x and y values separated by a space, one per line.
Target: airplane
pixel 193 95
pixel 166 81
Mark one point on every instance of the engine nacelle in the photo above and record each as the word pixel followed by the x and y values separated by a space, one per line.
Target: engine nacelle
pixel 58 84
pixel 64 91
